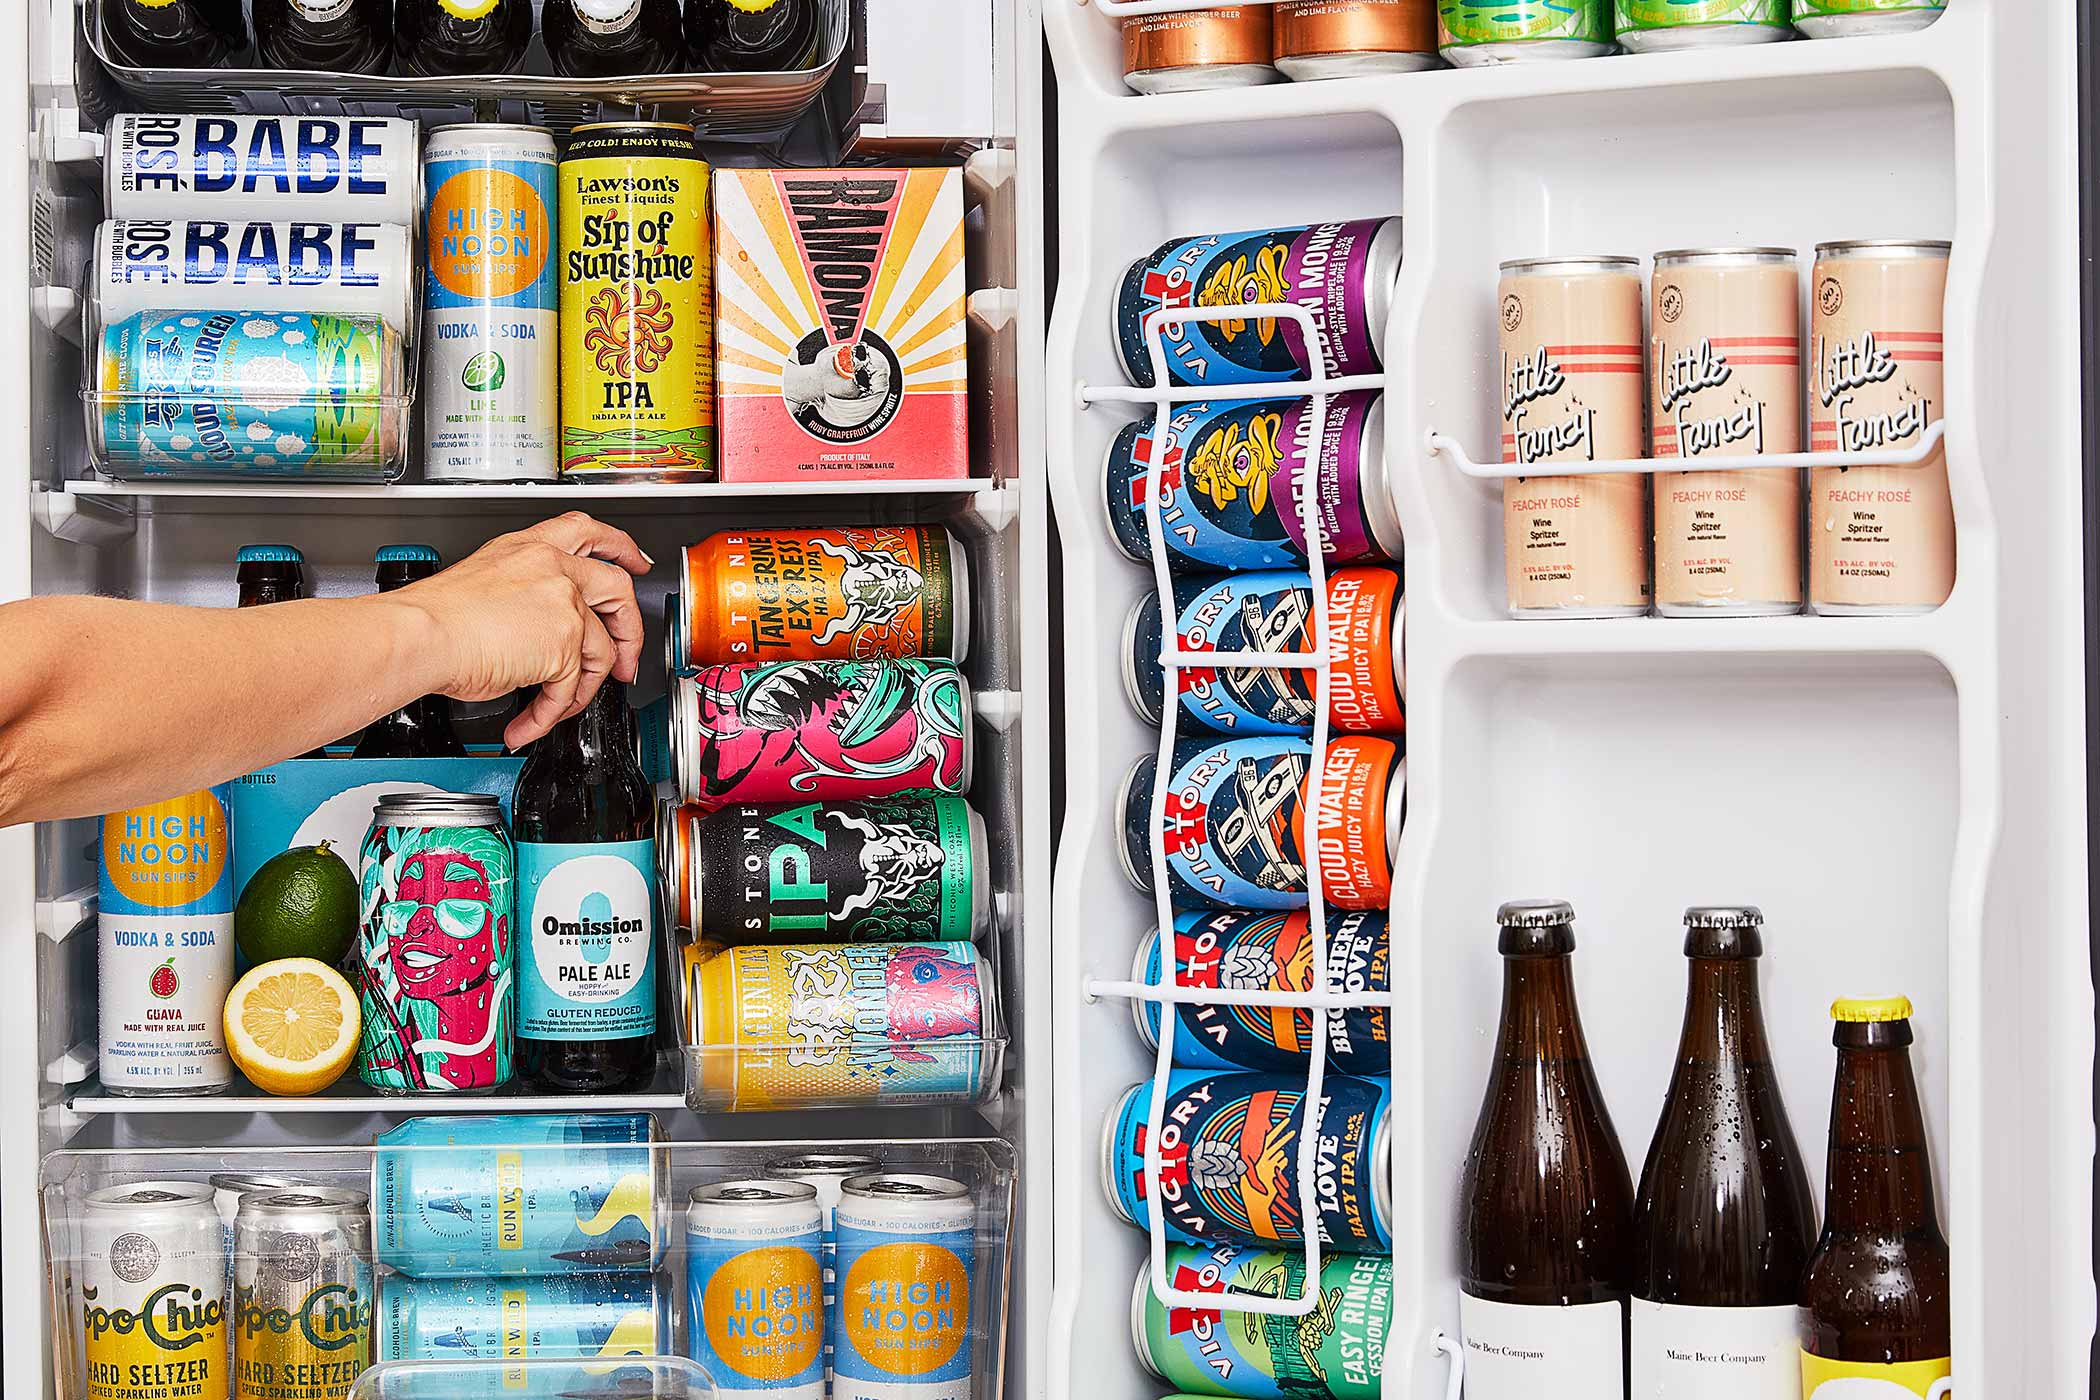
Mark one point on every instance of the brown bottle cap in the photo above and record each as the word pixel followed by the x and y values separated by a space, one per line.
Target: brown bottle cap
pixel 1723 931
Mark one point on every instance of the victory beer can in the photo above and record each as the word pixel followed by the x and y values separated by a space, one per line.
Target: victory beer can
pixel 519 1194
pixel 1273 612
pixel 912 867
pixel 1347 38
pixel 1230 480
pixel 1838 19
pixel 1243 950
pixel 1223 46
pixel 1650 26
pixel 597 1317
pixel 907 1280
pixel 303 1299
pixel 214 265
pixel 1342 273
pixel 351 169
pixel 755 1287
pixel 1228 1150
pixel 1234 826
pixel 1474 32
pixel 153 1293
pixel 793 731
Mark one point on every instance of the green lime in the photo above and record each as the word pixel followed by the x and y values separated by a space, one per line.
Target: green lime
pixel 301 904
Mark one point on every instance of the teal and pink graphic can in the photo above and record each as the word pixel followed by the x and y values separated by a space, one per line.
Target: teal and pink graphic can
pixel 1835 19
pixel 1473 32
pixel 1649 26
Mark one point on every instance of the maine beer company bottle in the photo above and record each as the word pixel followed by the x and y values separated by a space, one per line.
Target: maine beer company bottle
pixel 612 38
pixel 1545 1209
pixel 751 36
pixel 446 38
pixel 326 36
pixel 1874 1301
pixel 172 33
pixel 421 728
pixel 585 821
pixel 1723 1221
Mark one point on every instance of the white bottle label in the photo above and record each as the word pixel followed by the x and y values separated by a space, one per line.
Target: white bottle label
pixel 1515 1352
pixel 1683 1353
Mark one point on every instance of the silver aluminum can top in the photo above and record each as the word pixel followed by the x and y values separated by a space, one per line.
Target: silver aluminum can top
pixel 1677 257
pixel 437 809
pixel 1573 262
pixel 1887 247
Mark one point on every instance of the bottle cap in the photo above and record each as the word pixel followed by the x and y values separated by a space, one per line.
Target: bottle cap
pixel 1535 913
pixel 1870 1009
pixel 1724 916
pixel 268 554
pixel 407 554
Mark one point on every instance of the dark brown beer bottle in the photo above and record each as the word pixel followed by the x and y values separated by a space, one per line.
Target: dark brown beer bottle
pixel 173 33
pixel 421 728
pixel 271 573
pixel 752 36
pixel 453 38
pixel 612 38
pixel 1545 1207
pixel 1723 1221
pixel 325 36
pixel 1874 1300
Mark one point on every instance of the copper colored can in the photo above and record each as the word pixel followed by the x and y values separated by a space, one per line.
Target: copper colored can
pixel 1225 47
pixel 1345 38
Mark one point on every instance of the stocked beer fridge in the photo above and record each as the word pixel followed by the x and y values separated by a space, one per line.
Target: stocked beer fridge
pixel 1903 794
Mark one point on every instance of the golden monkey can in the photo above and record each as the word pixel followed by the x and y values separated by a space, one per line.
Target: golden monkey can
pixel 637 305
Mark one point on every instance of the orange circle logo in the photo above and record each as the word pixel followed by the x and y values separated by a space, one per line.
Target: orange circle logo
pixel 488 234
pixel 905 1307
pixel 169 854
pixel 764 1312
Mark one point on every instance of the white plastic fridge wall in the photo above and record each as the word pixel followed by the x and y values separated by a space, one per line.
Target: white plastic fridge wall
pixel 1903 796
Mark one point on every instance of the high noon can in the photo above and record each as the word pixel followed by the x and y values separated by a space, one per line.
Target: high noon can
pixel 1242 950
pixel 1273 612
pixel 1472 32
pixel 907 1280
pixel 490 310
pixel 164 166
pixel 912 867
pixel 1225 46
pixel 1342 273
pixel 1880 539
pixel 755 1287
pixel 845 593
pixel 437 955
pixel 1229 1145
pixel 164 945
pixel 1336 1352
pixel 1345 38
pixel 637 305
pixel 214 265
pixel 793 731
pixel 813 1023
pixel 827 1174
pixel 517 1194
pixel 1230 479
pixel 303 1299
pixel 152 1293
pixel 1574 546
pixel 585 1316
pixel 1234 828
pixel 1646 26
pixel 1836 19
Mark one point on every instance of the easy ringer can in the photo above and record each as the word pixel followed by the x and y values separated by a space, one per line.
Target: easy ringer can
pixel 907 1281
pixel 755 1287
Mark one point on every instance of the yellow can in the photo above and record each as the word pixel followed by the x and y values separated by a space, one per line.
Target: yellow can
pixel 637 305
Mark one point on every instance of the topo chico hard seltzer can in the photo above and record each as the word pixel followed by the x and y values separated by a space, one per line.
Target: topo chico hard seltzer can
pixel 152 1285
pixel 303 1295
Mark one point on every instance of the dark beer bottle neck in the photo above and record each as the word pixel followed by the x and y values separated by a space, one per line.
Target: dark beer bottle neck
pixel 1880 1171
pixel 596 735
pixel 1539 1020
pixel 1724 1023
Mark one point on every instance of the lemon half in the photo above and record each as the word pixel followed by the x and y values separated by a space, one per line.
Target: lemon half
pixel 292 1026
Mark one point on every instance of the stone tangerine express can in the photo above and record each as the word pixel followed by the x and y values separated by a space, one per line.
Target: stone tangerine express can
pixel 907 1284
pixel 152 1283
pixel 572 1316
pixel 755 1287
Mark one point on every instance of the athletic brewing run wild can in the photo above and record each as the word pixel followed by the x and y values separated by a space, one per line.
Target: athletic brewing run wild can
pixel 1648 26
pixel 585 1316
pixel 153 1293
pixel 1341 273
pixel 637 305
pixel 907 1279
pixel 843 592
pixel 1471 32
pixel 1337 1352
pixel 164 945
pixel 892 869
pixel 1836 19
pixel 303 1301
pixel 755 1287
pixel 163 166
pixel 1242 950
pixel 343 269
pixel 516 1194
pixel 490 317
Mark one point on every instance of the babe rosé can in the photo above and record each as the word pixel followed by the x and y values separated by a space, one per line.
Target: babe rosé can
pixel 1183 52
pixel 1345 38
pixel 1724 379
pixel 1881 539
pixel 1577 546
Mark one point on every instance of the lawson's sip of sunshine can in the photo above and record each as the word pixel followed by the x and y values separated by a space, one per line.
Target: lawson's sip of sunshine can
pixel 519 1194
pixel 755 1287
pixel 582 1316
pixel 1473 32
pixel 303 1304
pixel 164 166
pixel 152 1282
pixel 907 1280
pixel 216 265
pixel 1653 26
pixel 490 312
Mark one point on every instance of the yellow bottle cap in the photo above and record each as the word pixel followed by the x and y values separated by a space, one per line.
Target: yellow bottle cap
pixel 1870 1009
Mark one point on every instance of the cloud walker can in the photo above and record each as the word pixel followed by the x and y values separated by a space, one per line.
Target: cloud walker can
pixel 755 1287
pixel 490 347
pixel 303 1301
pixel 1838 19
pixel 907 1280
pixel 152 1293
pixel 1651 26
pixel 1473 32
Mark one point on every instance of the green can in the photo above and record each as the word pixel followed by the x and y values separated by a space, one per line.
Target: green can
pixel 1838 19
pixel 1651 26
pixel 1474 32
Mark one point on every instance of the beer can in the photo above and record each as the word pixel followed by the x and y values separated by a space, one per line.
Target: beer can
pixel 755 1287
pixel 160 165
pixel 1226 46
pixel 1342 273
pixel 1880 539
pixel 1230 479
pixel 826 1173
pixel 303 1300
pixel 908 868
pixel 797 1024
pixel 1725 377
pixel 437 950
pixel 1348 38
pixel 215 265
pixel 793 731
pixel 227 1188
pixel 153 1291
pixel 1234 829
pixel 841 593
pixel 1652 26
pixel 1246 950
pixel 1474 32
pixel 1273 611
pixel 1839 19
pixel 1338 1353
pixel 513 1194
pixel 1228 1148
pixel 637 305
pixel 248 394
pixel 490 310
pixel 907 1280
pixel 1574 546
pixel 164 945
pixel 597 1317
